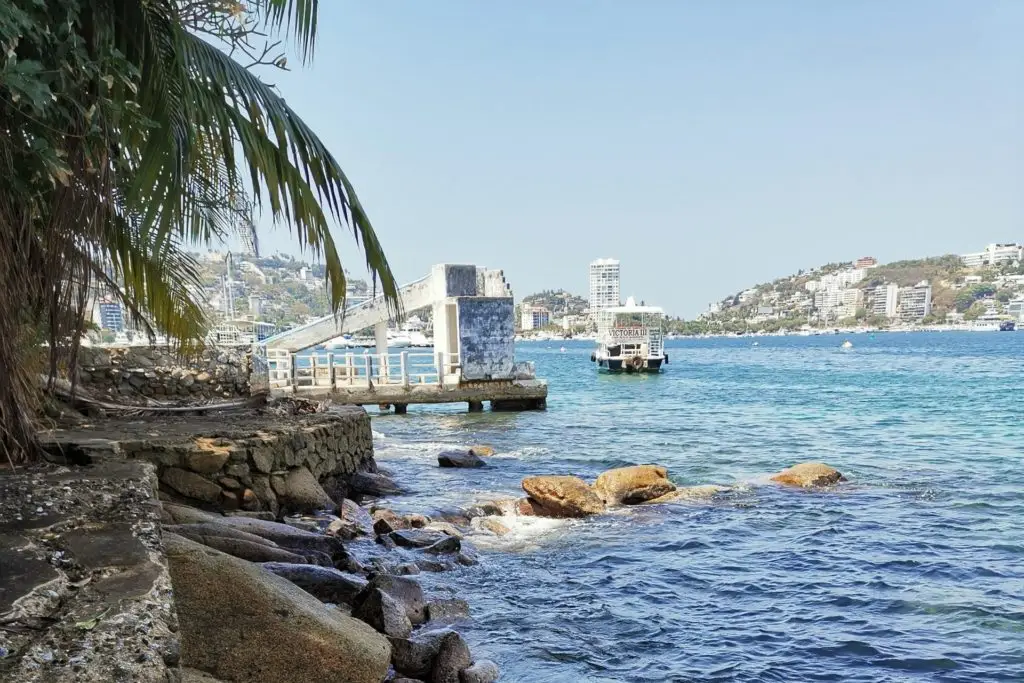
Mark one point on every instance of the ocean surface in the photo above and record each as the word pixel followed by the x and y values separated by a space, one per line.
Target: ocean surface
pixel 912 571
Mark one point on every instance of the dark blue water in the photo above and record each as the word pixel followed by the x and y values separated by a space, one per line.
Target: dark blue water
pixel 913 571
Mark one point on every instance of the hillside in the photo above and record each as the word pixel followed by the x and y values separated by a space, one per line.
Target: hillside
pixel 923 291
pixel 560 302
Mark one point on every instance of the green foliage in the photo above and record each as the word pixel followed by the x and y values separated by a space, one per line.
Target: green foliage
pixel 966 297
pixel 976 310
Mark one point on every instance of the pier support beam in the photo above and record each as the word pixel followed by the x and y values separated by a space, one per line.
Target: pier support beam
pixel 476 406
pixel 401 408
pixel 519 404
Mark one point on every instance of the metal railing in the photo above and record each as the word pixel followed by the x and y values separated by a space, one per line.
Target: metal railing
pixel 330 370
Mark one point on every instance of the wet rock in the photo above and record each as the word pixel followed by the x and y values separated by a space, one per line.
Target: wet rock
pixel 324 583
pixel 482 671
pixel 357 518
pixel 451 609
pixel 417 538
pixel 460 459
pixel 690 493
pixel 417 521
pixel 563 496
pixel 493 525
pixel 415 656
pixel 452 515
pixel 483 451
pixel 291 539
pixel 379 610
pixel 191 485
pixel 240 622
pixel 527 507
pixel 435 566
pixel 299 491
pixel 632 485
pixel 373 485
pixel 452 657
pixel 406 569
pixel 809 475
pixel 445 546
pixel 405 591
pixel 385 521
pixel 445 528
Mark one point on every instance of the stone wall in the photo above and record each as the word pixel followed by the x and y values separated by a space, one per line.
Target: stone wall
pixel 486 337
pixel 157 372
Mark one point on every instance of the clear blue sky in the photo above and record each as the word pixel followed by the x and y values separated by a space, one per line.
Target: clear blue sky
pixel 707 145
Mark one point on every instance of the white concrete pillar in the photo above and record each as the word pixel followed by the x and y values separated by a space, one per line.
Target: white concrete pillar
pixel 405 369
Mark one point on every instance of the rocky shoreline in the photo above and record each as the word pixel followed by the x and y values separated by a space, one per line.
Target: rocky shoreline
pixel 313 579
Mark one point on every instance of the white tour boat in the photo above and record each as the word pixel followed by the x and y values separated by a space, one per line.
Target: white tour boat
pixel 630 339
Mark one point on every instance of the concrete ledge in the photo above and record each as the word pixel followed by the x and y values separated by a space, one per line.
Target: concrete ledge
pixel 525 391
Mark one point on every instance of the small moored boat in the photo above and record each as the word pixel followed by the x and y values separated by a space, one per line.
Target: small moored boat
pixel 630 339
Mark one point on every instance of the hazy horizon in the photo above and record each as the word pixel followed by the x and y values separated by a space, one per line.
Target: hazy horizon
pixel 707 147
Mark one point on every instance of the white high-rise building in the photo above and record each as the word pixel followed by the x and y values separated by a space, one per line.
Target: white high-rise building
pixel 604 284
pixel 885 300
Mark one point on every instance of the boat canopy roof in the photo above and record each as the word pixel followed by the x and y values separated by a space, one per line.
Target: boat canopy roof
pixel 631 307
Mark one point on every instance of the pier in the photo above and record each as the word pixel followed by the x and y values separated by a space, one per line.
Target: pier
pixel 472 362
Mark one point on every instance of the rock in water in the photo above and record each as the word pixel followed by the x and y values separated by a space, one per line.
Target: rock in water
pixel 452 657
pixel 385 521
pixel 415 656
pixel 405 591
pixel 300 492
pixel 482 671
pixel 374 485
pixel 447 545
pixel 352 521
pixel 481 450
pixel 690 493
pixel 808 475
pixel 561 496
pixel 417 538
pixel 450 609
pixel 324 583
pixel 460 459
pixel 240 622
pixel 632 485
pixel 380 611
pixel 493 525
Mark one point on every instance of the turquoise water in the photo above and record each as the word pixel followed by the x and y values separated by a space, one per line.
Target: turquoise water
pixel 913 571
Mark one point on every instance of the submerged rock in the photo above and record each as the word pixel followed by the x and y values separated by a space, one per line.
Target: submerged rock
pixel 632 485
pixel 563 496
pixel 690 493
pixel 460 459
pixel 242 623
pixel 493 525
pixel 808 475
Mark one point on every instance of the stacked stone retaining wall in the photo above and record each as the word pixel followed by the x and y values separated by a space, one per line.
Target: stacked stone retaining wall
pixel 160 373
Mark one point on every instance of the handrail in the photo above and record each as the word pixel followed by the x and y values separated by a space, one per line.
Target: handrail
pixel 338 370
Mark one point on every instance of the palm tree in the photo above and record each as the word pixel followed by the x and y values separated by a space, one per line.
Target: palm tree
pixel 127 132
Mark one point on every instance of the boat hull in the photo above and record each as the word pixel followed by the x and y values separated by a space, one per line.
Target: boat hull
pixel 618 366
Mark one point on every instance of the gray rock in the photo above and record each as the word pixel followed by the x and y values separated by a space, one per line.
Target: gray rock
pixel 324 583
pixel 415 656
pixel 374 485
pixel 386 521
pixel 405 591
pixel 300 492
pixel 452 657
pixel 482 671
pixel 245 550
pixel 460 459
pixel 242 623
pixel 191 485
pixel 446 528
pixel 447 545
pixel 417 538
pixel 450 609
pixel 292 539
pixel 381 611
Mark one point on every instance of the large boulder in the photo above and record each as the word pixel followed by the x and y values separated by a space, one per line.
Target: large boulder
pixel 240 622
pixel 237 547
pixel 324 583
pixel 190 485
pixel 562 496
pixel 685 494
pixel 482 671
pixel 290 538
pixel 415 656
pixel 809 475
pixel 460 459
pixel 299 491
pixel 632 485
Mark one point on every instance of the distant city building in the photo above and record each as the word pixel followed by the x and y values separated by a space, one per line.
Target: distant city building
pixel 915 302
pixel 865 262
pixel 885 300
pixel 994 254
pixel 255 305
pixel 1015 309
pixel 535 317
pixel 812 286
pixel 842 279
pixel 571 322
pixel 837 303
pixel 304 273
pixel 604 284
pixel 111 316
